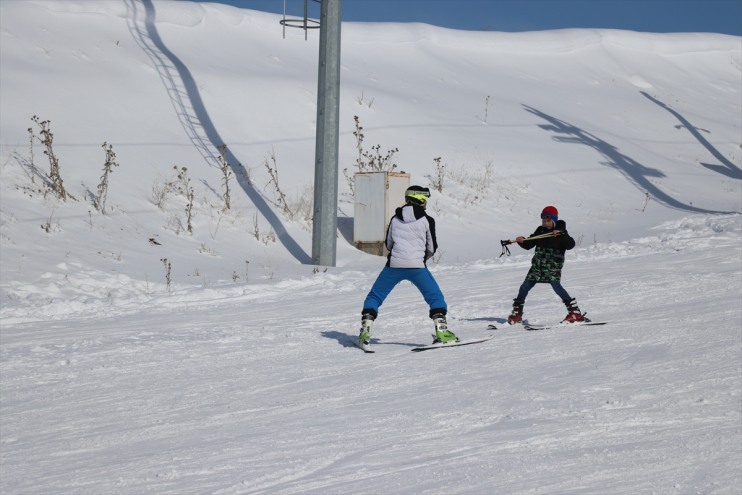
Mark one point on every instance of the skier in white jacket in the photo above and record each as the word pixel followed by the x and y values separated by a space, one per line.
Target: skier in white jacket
pixel 411 241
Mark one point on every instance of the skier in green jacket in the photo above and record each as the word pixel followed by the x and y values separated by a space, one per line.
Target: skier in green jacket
pixel 546 266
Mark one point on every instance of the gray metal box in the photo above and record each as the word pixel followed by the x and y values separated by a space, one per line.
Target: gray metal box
pixel 377 196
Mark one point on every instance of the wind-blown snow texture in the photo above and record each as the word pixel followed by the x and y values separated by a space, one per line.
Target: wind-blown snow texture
pixel 239 374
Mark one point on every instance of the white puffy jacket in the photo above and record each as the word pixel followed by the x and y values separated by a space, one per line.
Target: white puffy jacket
pixel 410 238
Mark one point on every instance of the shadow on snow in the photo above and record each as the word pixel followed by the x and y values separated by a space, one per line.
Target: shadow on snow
pixel 727 168
pixel 191 111
pixel 635 172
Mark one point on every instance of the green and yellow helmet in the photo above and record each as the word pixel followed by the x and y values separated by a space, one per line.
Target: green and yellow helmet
pixel 417 195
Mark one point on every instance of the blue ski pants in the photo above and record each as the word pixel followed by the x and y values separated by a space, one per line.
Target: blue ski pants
pixel 419 277
pixel 527 285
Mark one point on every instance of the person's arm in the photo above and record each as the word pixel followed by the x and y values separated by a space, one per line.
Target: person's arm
pixel 565 240
pixel 389 240
pixel 431 245
pixel 529 244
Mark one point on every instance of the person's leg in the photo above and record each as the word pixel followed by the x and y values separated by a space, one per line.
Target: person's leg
pixel 428 287
pixel 516 315
pixel 431 292
pixel 560 291
pixel 574 315
pixel 524 289
pixel 385 282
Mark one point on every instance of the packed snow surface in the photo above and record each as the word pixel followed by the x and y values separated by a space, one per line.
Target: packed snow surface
pixel 169 343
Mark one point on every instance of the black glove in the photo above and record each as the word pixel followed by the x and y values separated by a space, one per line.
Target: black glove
pixel 561 226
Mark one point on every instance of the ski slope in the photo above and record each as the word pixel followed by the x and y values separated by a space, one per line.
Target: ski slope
pixel 234 371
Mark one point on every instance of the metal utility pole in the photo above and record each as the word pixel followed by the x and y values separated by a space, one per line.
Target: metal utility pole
pixel 324 234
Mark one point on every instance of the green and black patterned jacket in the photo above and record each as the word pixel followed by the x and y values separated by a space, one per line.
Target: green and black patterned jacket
pixel 548 260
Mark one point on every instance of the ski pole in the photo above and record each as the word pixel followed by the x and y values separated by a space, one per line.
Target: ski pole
pixel 505 243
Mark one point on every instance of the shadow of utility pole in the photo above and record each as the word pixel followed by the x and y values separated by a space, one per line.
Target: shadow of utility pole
pixel 727 168
pixel 635 172
pixel 194 117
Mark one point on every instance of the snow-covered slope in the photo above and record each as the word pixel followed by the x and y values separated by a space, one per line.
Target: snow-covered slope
pixel 138 357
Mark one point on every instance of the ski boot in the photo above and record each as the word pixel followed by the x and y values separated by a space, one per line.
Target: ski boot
pixel 442 333
pixel 516 316
pixel 574 315
pixel 364 337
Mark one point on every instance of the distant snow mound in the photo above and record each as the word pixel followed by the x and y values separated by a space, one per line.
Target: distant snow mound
pixel 640 82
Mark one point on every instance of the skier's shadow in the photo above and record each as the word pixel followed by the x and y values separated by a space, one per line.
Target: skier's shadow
pixel 343 339
pixel 347 340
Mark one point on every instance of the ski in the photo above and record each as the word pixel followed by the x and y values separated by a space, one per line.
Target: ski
pixel 507 325
pixel 563 325
pixel 451 344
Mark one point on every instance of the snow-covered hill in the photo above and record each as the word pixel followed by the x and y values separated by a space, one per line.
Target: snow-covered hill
pixel 139 357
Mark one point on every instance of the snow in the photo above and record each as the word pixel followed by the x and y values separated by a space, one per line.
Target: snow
pixel 239 374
